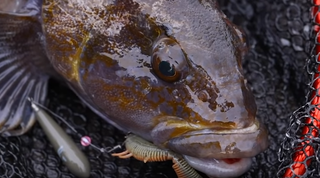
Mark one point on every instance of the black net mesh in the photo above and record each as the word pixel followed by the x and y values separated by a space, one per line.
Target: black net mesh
pixel 281 45
pixel 299 153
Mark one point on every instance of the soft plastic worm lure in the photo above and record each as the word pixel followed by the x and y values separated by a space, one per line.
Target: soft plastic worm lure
pixel 147 152
pixel 137 147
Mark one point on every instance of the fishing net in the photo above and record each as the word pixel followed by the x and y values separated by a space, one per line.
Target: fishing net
pixel 299 153
pixel 280 68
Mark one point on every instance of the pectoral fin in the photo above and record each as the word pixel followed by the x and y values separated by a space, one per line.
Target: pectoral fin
pixel 24 70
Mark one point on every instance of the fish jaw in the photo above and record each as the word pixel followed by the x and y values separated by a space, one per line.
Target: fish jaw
pixel 219 168
pixel 215 152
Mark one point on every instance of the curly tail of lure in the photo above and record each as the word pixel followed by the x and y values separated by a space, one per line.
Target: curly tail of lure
pixel 147 152
pixel 183 169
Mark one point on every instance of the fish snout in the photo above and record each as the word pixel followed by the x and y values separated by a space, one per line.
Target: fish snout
pixel 215 152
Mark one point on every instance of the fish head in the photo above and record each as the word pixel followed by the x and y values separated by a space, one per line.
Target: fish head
pixel 168 71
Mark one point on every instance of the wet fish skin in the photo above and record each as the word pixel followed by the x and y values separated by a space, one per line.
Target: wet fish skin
pixel 85 49
pixel 113 55
pixel 106 50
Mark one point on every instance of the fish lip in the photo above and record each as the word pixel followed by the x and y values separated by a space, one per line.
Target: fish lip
pixel 218 168
pixel 221 144
pixel 247 130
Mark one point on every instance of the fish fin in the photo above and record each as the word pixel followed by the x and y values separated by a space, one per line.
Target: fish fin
pixel 24 71
pixel 12 5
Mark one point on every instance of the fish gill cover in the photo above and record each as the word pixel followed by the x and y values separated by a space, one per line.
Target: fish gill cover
pixel 279 33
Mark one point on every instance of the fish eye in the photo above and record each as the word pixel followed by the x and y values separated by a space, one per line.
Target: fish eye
pixel 168 60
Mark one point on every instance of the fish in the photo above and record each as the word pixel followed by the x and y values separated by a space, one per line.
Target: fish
pixel 167 71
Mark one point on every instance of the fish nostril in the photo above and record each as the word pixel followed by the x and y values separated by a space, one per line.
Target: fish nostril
pixel 203 96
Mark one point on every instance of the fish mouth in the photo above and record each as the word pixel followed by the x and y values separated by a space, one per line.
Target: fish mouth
pixel 215 152
pixel 223 144
pixel 226 168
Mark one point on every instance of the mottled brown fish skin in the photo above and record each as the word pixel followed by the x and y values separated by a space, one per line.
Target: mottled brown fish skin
pixel 113 53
